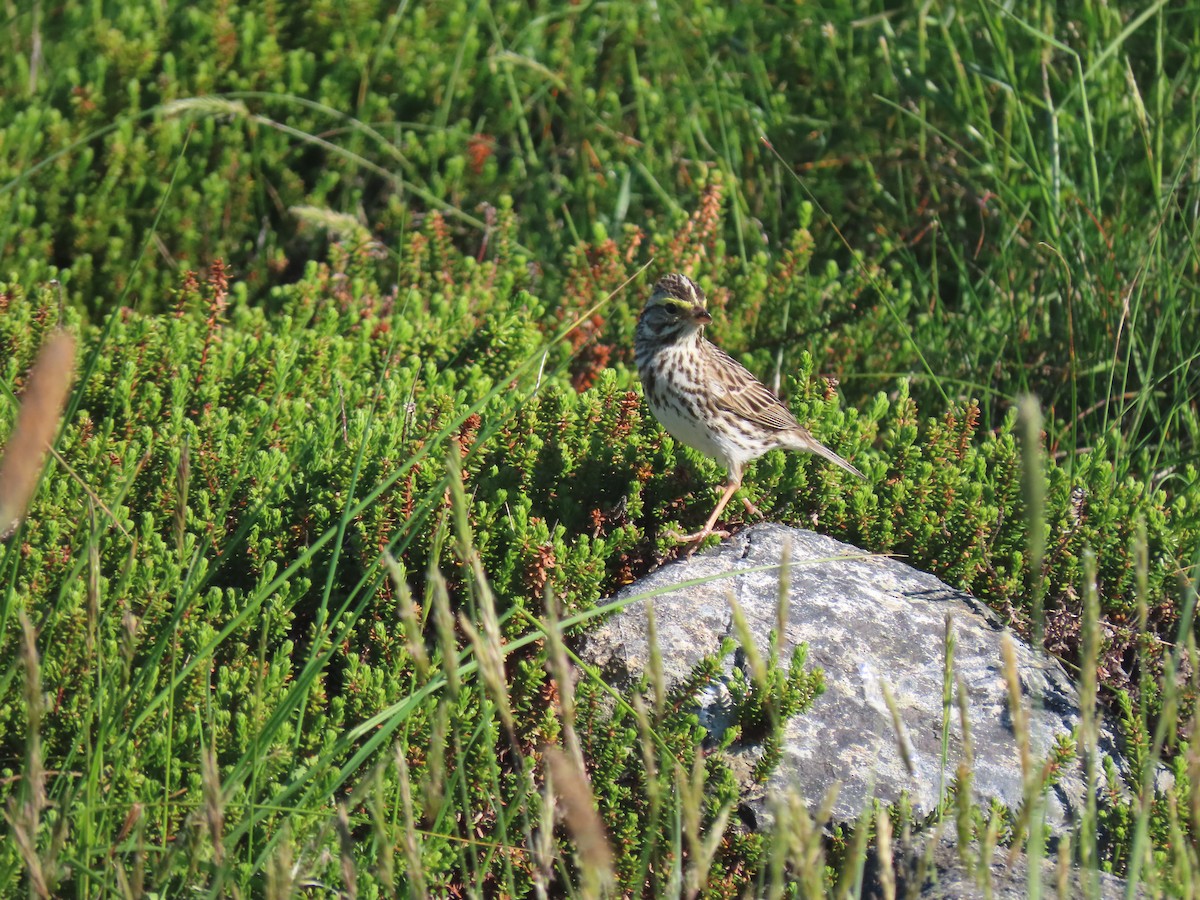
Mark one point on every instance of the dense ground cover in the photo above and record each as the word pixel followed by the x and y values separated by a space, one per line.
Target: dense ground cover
pixel 321 259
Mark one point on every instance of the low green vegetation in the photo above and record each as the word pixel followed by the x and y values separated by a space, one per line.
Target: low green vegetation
pixel 355 443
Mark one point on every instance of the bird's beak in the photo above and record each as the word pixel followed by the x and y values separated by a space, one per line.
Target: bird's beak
pixel 700 314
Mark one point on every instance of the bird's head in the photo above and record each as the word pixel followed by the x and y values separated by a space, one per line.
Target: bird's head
pixel 676 307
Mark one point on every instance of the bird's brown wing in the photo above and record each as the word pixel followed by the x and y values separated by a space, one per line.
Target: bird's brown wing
pixel 740 393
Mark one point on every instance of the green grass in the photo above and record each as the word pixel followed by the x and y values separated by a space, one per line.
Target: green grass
pixel 213 677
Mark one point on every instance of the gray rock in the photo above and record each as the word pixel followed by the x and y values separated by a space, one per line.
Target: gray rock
pixel 868 622
pixel 936 871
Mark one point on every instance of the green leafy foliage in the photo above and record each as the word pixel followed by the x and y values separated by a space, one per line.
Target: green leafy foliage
pixel 1022 183
pixel 220 683
pixel 238 470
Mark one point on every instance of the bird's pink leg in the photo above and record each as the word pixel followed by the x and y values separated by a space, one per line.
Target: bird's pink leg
pixel 704 532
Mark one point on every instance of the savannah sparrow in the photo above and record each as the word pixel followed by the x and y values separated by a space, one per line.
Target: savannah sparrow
pixel 707 399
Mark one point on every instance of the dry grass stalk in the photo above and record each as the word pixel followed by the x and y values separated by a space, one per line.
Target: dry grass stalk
pixel 92 584
pixel 1089 735
pixel 489 648
pixel 646 741
pixel 37 422
pixel 214 803
pixel 1062 870
pixel 490 657
pixel 281 873
pixel 798 851
pixel 24 815
pixel 583 821
pixel 887 872
pixel 412 844
pixel 701 848
pixel 964 820
pixel 903 741
pixel 543 846
pixel 183 477
pixel 444 621
pixel 754 659
pixel 434 779
pixel 1033 776
pixel 346 852
pixel 560 670
pixel 849 883
pixel 657 676
pixel 413 638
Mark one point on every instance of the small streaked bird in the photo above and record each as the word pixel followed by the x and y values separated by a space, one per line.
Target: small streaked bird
pixel 707 399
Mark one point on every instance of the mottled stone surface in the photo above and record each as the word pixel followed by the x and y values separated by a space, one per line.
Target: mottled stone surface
pixel 868 621
pixel 936 872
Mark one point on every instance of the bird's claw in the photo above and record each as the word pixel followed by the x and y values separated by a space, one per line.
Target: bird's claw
pixel 697 536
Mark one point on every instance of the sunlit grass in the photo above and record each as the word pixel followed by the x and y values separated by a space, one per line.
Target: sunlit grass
pixel 289 612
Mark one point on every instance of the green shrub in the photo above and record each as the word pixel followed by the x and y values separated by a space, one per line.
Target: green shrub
pixel 956 215
pixel 237 601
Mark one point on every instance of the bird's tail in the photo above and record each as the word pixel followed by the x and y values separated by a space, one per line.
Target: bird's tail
pixel 812 445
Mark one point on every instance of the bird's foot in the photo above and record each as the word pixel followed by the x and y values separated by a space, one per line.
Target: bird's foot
pixel 695 539
pixel 696 536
